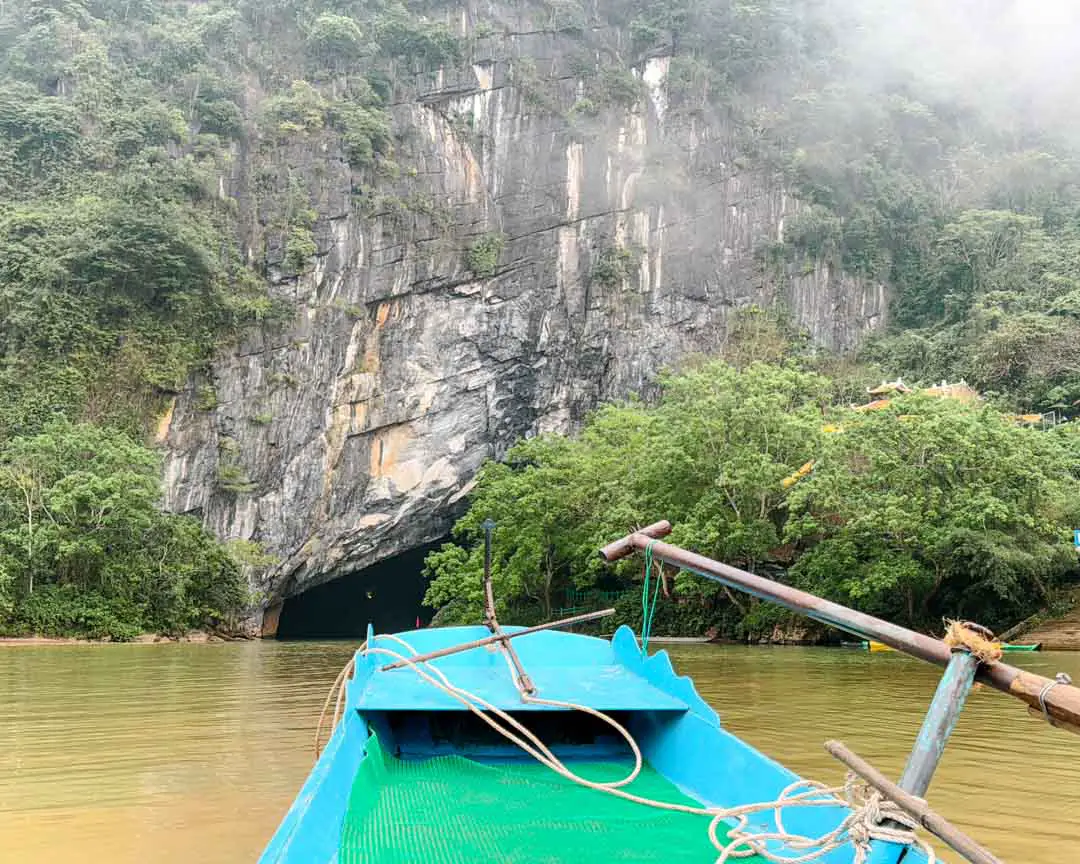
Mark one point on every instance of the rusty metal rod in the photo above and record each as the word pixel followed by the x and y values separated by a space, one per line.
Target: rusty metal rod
pixel 621 548
pixel 915 807
pixel 505 637
pixel 1061 701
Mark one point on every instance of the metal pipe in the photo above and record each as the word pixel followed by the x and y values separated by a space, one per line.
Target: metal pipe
pixel 625 546
pixel 915 807
pixel 503 637
pixel 944 711
pixel 952 690
pixel 1061 701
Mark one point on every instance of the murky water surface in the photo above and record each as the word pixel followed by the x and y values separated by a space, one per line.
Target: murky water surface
pixel 185 753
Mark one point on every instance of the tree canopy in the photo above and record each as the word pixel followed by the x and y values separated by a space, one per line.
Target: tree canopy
pixel 931 507
pixel 85 550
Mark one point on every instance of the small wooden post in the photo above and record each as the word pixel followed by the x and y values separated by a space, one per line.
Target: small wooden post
pixel 915 807
pixel 524 682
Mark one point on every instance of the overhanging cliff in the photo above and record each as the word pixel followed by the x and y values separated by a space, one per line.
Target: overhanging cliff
pixel 536 251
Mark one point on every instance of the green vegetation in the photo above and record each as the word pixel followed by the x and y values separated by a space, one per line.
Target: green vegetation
pixel 121 266
pixel 482 257
pixel 156 165
pixel 613 266
pixel 931 507
pixel 84 550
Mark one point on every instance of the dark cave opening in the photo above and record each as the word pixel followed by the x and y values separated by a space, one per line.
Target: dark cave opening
pixel 388 595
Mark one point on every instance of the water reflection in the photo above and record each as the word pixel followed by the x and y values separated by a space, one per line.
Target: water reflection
pixel 179 753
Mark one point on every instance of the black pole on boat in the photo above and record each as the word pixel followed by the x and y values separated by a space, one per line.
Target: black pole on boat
pixel 489 594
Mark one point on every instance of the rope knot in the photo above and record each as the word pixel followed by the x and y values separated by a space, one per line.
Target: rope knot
pixel 1060 678
pixel 871 817
pixel 973 638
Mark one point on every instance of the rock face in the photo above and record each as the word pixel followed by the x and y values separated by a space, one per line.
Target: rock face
pixel 530 260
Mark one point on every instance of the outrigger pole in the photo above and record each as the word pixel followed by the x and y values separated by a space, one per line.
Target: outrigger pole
pixel 1056 701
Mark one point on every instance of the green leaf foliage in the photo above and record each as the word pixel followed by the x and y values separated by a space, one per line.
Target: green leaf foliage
pixel 930 508
pixel 84 549
pixel 934 507
pixel 710 456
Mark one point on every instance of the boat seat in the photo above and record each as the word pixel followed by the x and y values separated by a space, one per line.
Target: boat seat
pixel 607 688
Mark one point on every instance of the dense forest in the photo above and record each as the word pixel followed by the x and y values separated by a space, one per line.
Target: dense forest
pixel 927 506
pixel 125 264
pixel 122 270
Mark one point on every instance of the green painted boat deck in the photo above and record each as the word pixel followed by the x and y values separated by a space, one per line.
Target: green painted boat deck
pixel 451 810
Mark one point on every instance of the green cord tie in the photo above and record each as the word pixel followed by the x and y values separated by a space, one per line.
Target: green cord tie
pixel 648 609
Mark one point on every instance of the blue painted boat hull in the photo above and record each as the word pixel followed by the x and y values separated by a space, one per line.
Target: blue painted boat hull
pixel 680 736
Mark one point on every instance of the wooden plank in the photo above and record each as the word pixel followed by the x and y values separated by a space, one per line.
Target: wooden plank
pixel 480 643
pixel 915 807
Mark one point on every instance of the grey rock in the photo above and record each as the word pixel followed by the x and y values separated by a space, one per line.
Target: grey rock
pixel 356 432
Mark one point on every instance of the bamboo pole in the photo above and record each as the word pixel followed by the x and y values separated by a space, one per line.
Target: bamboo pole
pixel 1059 702
pixel 489 640
pixel 915 807
pixel 525 683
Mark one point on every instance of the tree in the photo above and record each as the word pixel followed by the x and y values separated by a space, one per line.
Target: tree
pixel 934 506
pixel 711 456
pixel 80 533
pixel 335 42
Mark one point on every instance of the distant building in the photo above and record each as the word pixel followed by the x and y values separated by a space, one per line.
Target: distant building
pixel 887 389
pixel 962 391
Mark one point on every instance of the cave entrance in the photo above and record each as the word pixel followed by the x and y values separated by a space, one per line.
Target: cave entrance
pixel 388 595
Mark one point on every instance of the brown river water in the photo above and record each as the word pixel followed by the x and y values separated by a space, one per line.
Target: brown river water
pixel 192 753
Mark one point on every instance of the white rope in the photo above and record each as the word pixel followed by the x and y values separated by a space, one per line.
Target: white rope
pixel 865 822
pixel 339 687
pixel 1060 678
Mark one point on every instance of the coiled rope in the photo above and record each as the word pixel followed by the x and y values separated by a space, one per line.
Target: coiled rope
pixel 1060 678
pixel 864 824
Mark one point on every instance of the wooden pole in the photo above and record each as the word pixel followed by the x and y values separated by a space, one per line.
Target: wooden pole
pixel 915 807
pixel 503 637
pixel 524 682
pixel 1060 701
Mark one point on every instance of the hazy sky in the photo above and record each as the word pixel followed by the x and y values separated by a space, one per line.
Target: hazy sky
pixel 1004 55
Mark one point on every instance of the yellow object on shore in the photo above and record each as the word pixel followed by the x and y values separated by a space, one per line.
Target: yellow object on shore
pixel 877 647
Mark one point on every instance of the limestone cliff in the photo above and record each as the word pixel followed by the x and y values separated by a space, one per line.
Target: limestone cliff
pixel 536 254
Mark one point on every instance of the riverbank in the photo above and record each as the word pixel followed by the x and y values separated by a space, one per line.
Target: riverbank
pixel 1055 634
pixel 195 637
